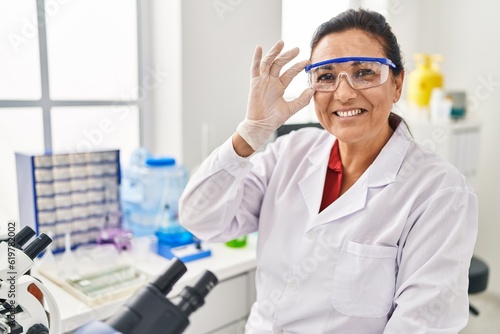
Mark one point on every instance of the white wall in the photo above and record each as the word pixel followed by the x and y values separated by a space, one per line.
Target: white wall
pixel 218 40
pixel 161 124
pixel 467 34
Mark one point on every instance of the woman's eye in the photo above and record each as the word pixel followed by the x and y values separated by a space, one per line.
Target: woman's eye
pixel 365 73
pixel 328 77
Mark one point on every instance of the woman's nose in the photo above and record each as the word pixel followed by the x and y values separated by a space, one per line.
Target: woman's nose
pixel 344 91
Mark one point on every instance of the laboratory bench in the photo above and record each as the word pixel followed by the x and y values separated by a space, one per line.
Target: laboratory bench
pixel 226 307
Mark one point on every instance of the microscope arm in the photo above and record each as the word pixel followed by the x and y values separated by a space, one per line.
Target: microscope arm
pixel 33 311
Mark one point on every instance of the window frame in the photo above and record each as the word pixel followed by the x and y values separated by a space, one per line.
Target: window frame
pixel 46 103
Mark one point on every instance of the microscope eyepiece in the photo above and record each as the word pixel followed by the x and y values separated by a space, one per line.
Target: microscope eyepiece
pixel 150 311
pixel 37 246
pixel 205 283
pixel 166 281
pixel 192 298
pixel 23 236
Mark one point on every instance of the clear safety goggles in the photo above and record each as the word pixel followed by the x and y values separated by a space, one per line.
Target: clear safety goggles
pixel 360 72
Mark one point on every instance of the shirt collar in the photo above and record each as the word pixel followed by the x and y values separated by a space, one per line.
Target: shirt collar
pixel 335 163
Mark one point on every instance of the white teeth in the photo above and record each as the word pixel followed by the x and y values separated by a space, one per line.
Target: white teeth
pixel 349 113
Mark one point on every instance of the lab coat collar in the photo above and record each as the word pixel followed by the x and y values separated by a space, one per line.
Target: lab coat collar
pixel 316 172
pixel 383 171
pixel 386 166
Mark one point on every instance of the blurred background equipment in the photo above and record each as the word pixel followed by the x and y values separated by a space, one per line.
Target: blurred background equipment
pixel 150 191
pixel 424 78
pixel 74 193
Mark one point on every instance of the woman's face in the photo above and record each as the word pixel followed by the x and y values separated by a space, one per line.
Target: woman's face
pixel 375 103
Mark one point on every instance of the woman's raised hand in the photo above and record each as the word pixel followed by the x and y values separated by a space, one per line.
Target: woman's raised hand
pixel 267 109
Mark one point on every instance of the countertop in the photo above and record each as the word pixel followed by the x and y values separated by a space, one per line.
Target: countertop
pixel 224 262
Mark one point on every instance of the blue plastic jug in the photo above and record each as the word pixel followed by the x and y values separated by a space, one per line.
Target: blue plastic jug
pixel 150 196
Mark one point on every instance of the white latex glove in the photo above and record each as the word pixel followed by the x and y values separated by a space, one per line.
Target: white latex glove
pixel 267 110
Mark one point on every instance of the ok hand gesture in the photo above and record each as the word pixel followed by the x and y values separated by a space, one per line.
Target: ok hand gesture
pixel 267 109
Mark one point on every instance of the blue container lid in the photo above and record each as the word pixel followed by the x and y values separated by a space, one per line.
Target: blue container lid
pixel 160 162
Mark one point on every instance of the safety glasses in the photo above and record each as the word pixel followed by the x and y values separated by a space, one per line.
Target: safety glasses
pixel 360 72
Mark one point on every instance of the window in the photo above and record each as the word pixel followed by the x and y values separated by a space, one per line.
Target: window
pixel 69 81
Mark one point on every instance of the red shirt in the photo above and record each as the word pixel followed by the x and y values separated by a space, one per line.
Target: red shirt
pixel 333 179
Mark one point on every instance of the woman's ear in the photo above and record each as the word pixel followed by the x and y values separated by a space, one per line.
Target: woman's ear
pixel 398 81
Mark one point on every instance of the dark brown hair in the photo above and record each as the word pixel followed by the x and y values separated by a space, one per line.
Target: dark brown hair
pixel 369 22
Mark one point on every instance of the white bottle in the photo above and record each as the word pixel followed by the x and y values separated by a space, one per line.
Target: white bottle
pixel 440 106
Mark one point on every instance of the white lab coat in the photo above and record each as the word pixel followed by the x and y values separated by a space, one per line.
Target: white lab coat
pixel 391 255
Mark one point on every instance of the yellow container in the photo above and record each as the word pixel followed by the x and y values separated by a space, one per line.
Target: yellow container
pixel 424 79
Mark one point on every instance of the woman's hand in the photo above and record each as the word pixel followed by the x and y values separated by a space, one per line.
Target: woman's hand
pixel 267 110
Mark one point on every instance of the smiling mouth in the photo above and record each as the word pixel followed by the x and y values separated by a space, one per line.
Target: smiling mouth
pixel 349 113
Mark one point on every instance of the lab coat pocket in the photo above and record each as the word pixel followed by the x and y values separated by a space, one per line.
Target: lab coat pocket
pixel 364 280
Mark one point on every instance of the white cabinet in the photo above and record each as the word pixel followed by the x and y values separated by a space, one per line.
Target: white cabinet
pixel 236 328
pixel 226 304
pixel 457 142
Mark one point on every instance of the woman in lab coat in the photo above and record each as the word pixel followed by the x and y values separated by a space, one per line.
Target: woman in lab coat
pixel 360 229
